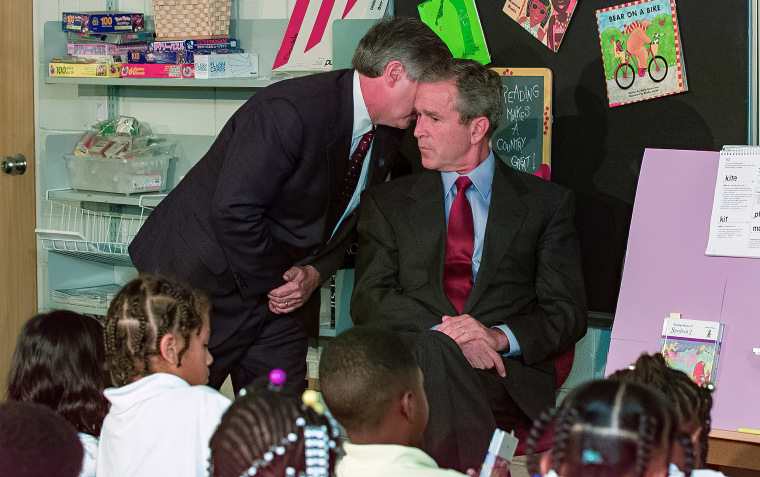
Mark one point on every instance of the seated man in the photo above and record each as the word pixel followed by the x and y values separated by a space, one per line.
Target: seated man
pixel 487 283
pixel 373 387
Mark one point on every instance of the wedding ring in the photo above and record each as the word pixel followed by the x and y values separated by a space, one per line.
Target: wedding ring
pixel 287 303
pixel 462 329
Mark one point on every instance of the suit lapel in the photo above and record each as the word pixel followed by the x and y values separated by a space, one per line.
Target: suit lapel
pixel 338 149
pixel 505 217
pixel 426 218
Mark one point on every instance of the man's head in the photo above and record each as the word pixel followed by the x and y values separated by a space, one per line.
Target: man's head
pixel 457 115
pixel 392 58
pixel 373 386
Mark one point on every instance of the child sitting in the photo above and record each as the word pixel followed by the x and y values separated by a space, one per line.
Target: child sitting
pixel 59 361
pixel 608 429
pixel 374 388
pixel 692 404
pixel 35 441
pixel 161 416
pixel 272 432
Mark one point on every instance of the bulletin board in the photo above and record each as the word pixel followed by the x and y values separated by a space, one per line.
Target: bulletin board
pixel 523 138
pixel 597 150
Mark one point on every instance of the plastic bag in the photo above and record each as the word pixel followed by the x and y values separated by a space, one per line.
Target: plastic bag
pixel 113 138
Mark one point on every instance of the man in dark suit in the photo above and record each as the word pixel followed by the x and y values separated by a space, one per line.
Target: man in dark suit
pixel 477 264
pixel 267 214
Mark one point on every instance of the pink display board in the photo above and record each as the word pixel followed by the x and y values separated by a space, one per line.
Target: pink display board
pixel 666 271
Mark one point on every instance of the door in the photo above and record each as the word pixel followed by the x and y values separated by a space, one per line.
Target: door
pixel 18 250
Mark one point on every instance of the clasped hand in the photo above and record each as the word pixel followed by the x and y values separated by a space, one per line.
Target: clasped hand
pixel 481 345
pixel 300 283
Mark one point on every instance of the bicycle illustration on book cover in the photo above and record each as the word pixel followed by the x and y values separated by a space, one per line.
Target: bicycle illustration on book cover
pixel 641 51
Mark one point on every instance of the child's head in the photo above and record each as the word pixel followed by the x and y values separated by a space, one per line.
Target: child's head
pixel 373 387
pixel 156 325
pixel 36 441
pixel 59 362
pixel 268 433
pixel 691 402
pixel 606 429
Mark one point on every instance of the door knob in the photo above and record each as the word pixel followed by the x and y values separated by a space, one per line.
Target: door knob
pixel 14 166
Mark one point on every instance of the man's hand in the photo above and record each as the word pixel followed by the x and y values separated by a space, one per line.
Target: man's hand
pixel 300 284
pixel 464 328
pixel 481 356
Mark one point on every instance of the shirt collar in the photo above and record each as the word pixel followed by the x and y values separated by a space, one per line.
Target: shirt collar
pixel 362 121
pixel 481 177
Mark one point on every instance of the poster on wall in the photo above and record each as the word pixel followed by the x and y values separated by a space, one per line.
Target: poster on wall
pixel 641 51
pixel 546 20
pixel 458 24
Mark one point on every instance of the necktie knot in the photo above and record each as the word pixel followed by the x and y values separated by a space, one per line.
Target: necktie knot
pixel 463 183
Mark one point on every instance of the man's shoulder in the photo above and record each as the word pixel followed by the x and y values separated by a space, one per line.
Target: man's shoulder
pixel 401 185
pixel 526 182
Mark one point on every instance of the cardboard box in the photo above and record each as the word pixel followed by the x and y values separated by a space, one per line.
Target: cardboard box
pixel 84 70
pixel 102 22
pixel 153 70
pixel 233 65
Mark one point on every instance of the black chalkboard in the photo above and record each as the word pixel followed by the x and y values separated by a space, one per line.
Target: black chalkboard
pixel 523 138
pixel 597 150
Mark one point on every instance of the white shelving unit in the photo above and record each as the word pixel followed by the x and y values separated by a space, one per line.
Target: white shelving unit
pixel 72 258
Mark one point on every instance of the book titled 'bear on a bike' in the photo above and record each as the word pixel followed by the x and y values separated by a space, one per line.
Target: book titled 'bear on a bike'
pixel 641 51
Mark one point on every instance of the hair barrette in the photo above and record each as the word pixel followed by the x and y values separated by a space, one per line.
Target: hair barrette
pixel 591 457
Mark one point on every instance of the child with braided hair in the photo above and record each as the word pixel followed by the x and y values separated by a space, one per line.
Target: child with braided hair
pixel 272 432
pixel 692 404
pixel 162 416
pixel 608 429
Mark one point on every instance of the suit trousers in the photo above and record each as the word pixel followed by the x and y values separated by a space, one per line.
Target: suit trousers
pixel 261 342
pixel 466 404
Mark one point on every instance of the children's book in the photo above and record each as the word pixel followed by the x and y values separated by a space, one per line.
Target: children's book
pixel 458 24
pixel 692 346
pixel 641 51
pixel 546 20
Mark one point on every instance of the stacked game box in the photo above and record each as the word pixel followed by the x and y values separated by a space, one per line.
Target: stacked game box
pixel 175 59
pixel 99 43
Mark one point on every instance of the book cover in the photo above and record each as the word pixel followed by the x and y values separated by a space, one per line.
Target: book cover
pixel 692 346
pixel 546 20
pixel 458 24
pixel 641 51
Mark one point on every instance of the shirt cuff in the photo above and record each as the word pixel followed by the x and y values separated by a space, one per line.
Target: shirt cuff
pixel 514 346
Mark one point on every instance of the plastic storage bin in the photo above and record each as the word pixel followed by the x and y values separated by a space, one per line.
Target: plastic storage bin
pixel 121 176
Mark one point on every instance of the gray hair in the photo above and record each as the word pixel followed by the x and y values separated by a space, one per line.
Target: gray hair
pixel 479 91
pixel 404 39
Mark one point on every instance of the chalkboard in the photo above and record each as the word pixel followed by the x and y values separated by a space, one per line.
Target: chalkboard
pixel 523 138
pixel 597 150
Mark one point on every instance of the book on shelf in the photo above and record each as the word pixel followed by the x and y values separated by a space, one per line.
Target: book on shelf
pixel 642 51
pixel 692 346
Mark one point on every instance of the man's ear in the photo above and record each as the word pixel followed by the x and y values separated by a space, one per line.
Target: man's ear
pixel 393 73
pixel 478 129
pixel 168 348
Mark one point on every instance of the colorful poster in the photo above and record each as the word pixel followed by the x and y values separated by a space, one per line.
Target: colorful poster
pixel 546 20
pixel 458 24
pixel 641 51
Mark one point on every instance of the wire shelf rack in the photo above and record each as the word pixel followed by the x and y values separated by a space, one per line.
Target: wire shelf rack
pixel 89 235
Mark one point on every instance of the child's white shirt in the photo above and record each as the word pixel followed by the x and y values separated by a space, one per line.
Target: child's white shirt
pixel 674 471
pixel 90 459
pixel 159 425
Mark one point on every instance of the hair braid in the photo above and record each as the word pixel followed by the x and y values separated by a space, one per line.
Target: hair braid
pixel 688 452
pixel 140 315
pixel 644 444
pixel 540 426
pixel 562 431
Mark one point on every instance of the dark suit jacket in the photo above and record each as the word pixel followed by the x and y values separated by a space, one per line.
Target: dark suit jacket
pixel 263 197
pixel 530 275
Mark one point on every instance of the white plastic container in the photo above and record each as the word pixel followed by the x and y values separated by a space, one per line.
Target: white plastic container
pixel 121 176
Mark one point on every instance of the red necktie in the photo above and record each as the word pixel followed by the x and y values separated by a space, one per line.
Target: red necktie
pixel 460 242
pixel 354 169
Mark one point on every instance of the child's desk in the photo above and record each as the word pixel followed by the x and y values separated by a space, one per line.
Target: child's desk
pixel 734 449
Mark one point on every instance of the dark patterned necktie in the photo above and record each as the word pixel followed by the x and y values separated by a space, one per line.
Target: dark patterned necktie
pixel 354 169
pixel 460 243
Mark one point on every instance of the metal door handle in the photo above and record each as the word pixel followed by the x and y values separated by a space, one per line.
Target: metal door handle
pixel 14 166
